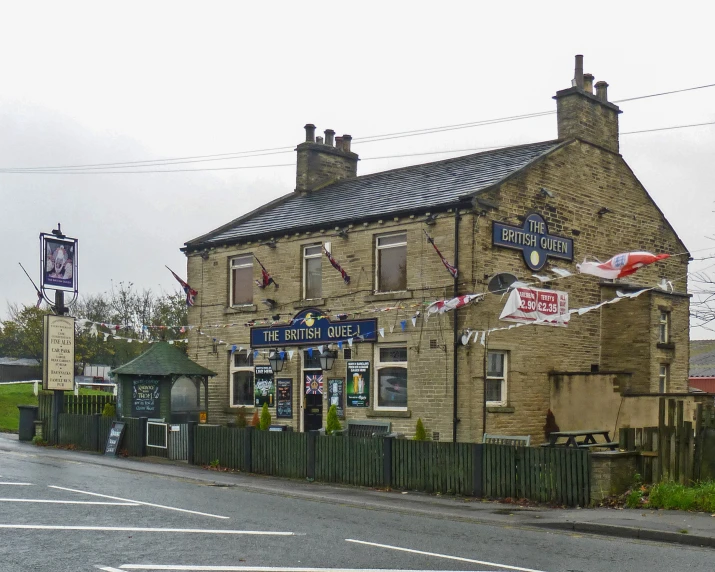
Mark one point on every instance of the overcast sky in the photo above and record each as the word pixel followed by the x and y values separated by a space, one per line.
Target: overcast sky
pixel 86 83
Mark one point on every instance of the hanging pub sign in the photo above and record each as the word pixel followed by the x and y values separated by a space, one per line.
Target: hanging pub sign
pixel 264 389
pixel 534 241
pixel 534 305
pixel 145 398
pixel 58 353
pixel 358 383
pixel 311 327
pixel 59 262
pixel 284 398
pixel 335 396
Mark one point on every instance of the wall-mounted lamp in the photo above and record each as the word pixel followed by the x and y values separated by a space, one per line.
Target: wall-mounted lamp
pixel 327 359
pixel 204 254
pixel 431 219
pixel 603 210
pixel 277 359
pixel 543 191
pixel 270 244
pixel 341 232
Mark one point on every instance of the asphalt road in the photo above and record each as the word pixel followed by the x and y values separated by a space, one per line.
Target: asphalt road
pixel 61 511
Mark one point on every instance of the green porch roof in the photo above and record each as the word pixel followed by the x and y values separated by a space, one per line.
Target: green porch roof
pixel 162 359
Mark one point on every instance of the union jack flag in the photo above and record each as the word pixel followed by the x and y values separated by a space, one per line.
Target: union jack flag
pixel 452 269
pixel 314 384
pixel 190 292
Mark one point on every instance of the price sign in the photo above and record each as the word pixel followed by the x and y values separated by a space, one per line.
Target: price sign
pixel 534 305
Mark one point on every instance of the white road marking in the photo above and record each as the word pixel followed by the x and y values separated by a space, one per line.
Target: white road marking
pixel 18 484
pixel 72 502
pixel 144 529
pixel 139 502
pixel 108 569
pixel 448 557
pixel 258 568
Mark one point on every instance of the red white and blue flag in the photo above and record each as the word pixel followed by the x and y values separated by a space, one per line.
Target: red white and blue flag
pixel 190 292
pixel 620 265
pixel 313 384
pixel 337 266
pixel 266 279
pixel 452 269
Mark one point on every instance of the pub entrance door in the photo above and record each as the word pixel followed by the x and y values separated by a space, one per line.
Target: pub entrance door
pixel 312 392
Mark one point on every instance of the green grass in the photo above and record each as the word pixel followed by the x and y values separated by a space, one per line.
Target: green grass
pixel 13 395
pixel 698 497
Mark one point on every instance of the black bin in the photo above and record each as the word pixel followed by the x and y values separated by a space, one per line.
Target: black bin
pixel 28 416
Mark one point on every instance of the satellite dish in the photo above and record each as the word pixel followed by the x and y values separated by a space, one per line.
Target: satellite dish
pixel 499 284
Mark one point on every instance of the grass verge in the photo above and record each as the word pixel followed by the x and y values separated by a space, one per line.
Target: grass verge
pixel 10 397
pixel 697 497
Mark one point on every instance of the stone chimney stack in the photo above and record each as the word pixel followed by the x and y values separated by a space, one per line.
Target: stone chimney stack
pixel 321 163
pixel 583 115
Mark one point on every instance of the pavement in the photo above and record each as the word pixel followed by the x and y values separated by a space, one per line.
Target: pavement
pixel 690 528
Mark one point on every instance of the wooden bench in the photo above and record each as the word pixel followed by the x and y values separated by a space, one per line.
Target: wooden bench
pixel 367 428
pixel 514 440
pixel 612 445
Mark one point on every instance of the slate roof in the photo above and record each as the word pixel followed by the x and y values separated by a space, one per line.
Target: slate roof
pixel 162 359
pixel 702 358
pixel 424 187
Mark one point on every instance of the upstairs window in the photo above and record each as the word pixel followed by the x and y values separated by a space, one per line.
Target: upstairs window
pixel 312 272
pixel 242 378
pixel 664 327
pixel 391 267
pixel 495 385
pixel 242 280
pixel 663 377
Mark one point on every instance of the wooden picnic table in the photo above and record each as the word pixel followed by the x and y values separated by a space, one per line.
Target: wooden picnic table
pixel 583 439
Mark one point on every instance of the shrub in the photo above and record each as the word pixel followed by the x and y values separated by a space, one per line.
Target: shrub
pixel 332 424
pixel 39 441
pixel 109 410
pixel 256 420
pixel 420 433
pixel 265 421
pixel 241 420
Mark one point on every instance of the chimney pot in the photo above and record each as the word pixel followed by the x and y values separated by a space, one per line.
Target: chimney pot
pixel 319 140
pixel 602 91
pixel 346 142
pixel 310 132
pixel 329 137
pixel 588 82
pixel 339 143
pixel 578 71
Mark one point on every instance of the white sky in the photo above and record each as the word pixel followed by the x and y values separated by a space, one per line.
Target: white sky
pixel 87 82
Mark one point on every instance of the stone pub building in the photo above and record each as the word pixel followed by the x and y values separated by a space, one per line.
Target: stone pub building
pixel 366 339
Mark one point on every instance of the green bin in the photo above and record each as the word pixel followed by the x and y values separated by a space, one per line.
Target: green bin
pixel 28 416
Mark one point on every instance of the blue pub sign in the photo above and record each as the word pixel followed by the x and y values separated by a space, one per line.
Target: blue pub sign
pixel 311 327
pixel 534 241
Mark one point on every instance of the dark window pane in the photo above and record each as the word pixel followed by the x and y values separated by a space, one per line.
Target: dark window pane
pixel 313 278
pixel 494 388
pixel 495 364
pixel 242 286
pixel 311 362
pixel 243 388
pixel 393 354
pixel 243 359
pixel 392 387
pixel 392 269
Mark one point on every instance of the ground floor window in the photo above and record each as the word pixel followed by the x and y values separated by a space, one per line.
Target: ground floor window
pixel 663 377
pixel 495 385
pixel 242 378
pixel 391 377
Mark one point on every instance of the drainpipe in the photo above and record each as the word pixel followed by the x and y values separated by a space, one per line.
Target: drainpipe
pixel 455 334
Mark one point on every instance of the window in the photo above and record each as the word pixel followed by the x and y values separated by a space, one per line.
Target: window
pixel 664 327
pixel 391 263
pixel 242 280
pixel 495 386
pixel 391 373
pixel 242 377
pixel 663 378
pixel 312 278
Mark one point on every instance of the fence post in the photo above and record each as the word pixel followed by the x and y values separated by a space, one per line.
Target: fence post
pixel 387 461
pixel 477 464
pixel 191 428
pixel 95 431
pixel 248 449
pixel 312 439
pixel 142 435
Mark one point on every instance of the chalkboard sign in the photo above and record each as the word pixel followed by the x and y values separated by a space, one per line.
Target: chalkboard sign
pixel 114 438
pixel 335 396
pixel 145 398
pixel 284 398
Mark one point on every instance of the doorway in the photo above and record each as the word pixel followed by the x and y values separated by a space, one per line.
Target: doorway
pixel 312 393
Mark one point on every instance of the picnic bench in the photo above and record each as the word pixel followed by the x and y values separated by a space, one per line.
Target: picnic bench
pixel 367 428
pixel 515 440
pixel 583 439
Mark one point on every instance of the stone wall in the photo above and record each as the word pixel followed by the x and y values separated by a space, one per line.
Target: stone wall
pixel 612 473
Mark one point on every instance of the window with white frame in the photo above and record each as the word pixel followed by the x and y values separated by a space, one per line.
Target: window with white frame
pixel 391 266
pixel 242 378
pixel 312 272
pixel 495 385
pixel 664 327
pixel 242 280
pixel 663 377
pixel 391 377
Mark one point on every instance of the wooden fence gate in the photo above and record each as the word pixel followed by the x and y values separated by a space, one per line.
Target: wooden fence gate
pixel 178 442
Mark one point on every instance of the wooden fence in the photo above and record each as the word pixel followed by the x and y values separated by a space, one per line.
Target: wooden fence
pixel 87 432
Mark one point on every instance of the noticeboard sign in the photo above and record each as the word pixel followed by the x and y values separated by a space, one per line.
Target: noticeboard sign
pixel 358 381
pixel 264 389
pixel 284 398
pixel 114 438
pixel 336 396
pixel 145 397
pixel 58 354
pixel 59 263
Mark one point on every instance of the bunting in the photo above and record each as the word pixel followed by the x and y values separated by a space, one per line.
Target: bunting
pixel 452 269
pixel 190 292
pixel 337 266
pixel 266 278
